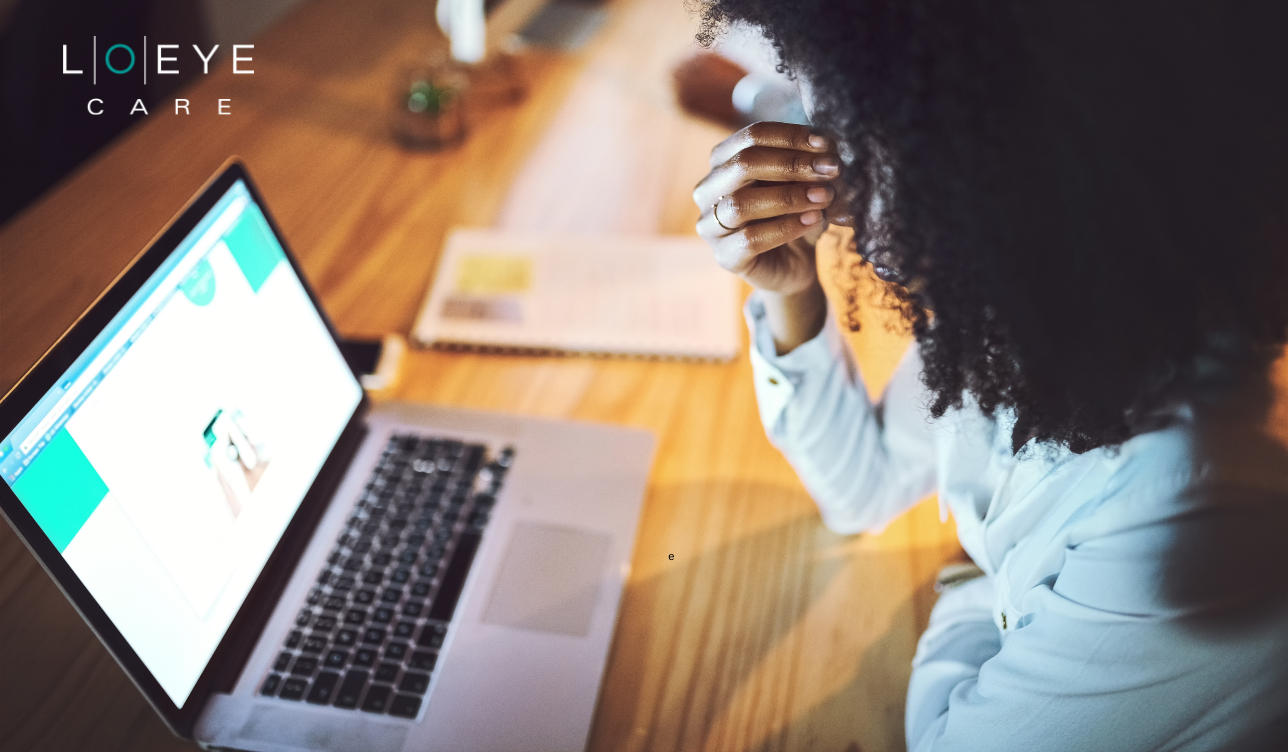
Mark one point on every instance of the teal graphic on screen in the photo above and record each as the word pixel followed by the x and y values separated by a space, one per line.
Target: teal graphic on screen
pixel 253 246
pixel 61 489
pixel 171 456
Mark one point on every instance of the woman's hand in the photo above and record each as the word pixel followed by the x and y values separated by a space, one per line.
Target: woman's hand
pixel 767 190
pixel 763 207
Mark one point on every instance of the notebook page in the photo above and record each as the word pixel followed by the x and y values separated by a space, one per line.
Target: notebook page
pixel 628 295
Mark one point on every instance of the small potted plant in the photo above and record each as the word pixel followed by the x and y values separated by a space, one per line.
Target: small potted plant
pixel 427 108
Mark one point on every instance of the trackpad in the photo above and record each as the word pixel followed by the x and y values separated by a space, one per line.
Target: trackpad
pixel 549 579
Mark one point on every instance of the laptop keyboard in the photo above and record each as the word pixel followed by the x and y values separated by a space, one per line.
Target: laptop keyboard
pixel 370 630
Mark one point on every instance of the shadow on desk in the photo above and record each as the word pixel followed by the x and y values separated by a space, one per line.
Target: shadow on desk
pixel 786 637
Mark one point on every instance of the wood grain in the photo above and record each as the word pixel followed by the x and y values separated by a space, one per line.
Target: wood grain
pixel 765 632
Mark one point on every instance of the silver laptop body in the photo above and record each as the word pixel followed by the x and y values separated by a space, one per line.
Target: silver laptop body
pixel 527 646
pixel 277 564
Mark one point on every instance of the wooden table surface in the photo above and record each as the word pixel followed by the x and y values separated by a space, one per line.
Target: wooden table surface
pixel 765 632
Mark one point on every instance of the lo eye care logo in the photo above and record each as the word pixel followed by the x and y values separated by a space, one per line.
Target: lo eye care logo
pixel 121 60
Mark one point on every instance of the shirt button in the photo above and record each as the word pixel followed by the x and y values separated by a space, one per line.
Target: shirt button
pixel 773 381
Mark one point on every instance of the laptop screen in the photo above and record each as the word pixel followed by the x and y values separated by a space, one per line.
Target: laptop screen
pixel 166 463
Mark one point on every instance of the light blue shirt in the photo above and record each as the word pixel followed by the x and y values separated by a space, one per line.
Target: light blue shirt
pixel 1073 640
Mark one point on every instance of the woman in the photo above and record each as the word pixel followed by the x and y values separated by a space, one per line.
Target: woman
pixel 1081 209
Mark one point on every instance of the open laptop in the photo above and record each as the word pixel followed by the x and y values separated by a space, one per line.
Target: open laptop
pixel 280 566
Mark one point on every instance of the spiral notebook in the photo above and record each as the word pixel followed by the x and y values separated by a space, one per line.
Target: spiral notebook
pixel 643 296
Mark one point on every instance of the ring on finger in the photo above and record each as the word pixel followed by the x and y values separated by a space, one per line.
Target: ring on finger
pixel 715 212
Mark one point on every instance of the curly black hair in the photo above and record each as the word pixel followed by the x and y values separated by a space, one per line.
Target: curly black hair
pixel 1090 195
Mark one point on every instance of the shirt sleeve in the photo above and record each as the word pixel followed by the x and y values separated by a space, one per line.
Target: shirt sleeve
pixel 863 463
pixel 1099 661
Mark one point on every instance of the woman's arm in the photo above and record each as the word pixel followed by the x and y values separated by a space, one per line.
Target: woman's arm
pixel 794 318
pixel 764 205
pixel 1126 629
pixel 863 463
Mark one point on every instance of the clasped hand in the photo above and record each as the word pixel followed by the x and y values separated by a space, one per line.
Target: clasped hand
pixel 766 201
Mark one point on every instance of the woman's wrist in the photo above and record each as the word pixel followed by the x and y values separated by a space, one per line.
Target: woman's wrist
pixel 794 318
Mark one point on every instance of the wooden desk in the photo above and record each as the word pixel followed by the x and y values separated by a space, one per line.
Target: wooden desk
pixel 765 632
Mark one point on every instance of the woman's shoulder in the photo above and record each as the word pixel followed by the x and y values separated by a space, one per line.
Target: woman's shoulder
pixel 1190 519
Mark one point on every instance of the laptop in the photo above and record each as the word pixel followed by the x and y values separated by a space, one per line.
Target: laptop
pixel 279 564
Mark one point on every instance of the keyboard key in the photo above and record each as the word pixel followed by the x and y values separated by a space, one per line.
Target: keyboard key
pixel 400 575
pixel 407 557
pixel 270 685
pixel 432 636
pixel 293 688
pixel 324 687
pixel 334 603
pixel 423 660
pixel 343 583
pixel 305 665
pixel 293 639
pixel 314 644
pixel 377 699
pixel 381 560
pixel 351 689
pixel 325 577
pixel 411 682
pixel 416 540
pixel 421 588
pixel 473 457
pixel 283 661
pixel 364 597
pixel 382 615
pixel 373 578
pixel 355 616
pixel 374 635
pixel 346 637
pixel 391 595
pixel 405 706
pixel 413 608
pixel 314 597
pixel 337 658
pixel 404 629
pixel 387 672
pixel 454 579
pixel 364 657
pixel 429 570
pixel 395 651
pixel 303 619
pixel 324 624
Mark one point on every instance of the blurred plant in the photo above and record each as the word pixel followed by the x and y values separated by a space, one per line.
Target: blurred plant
pixel 425 97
